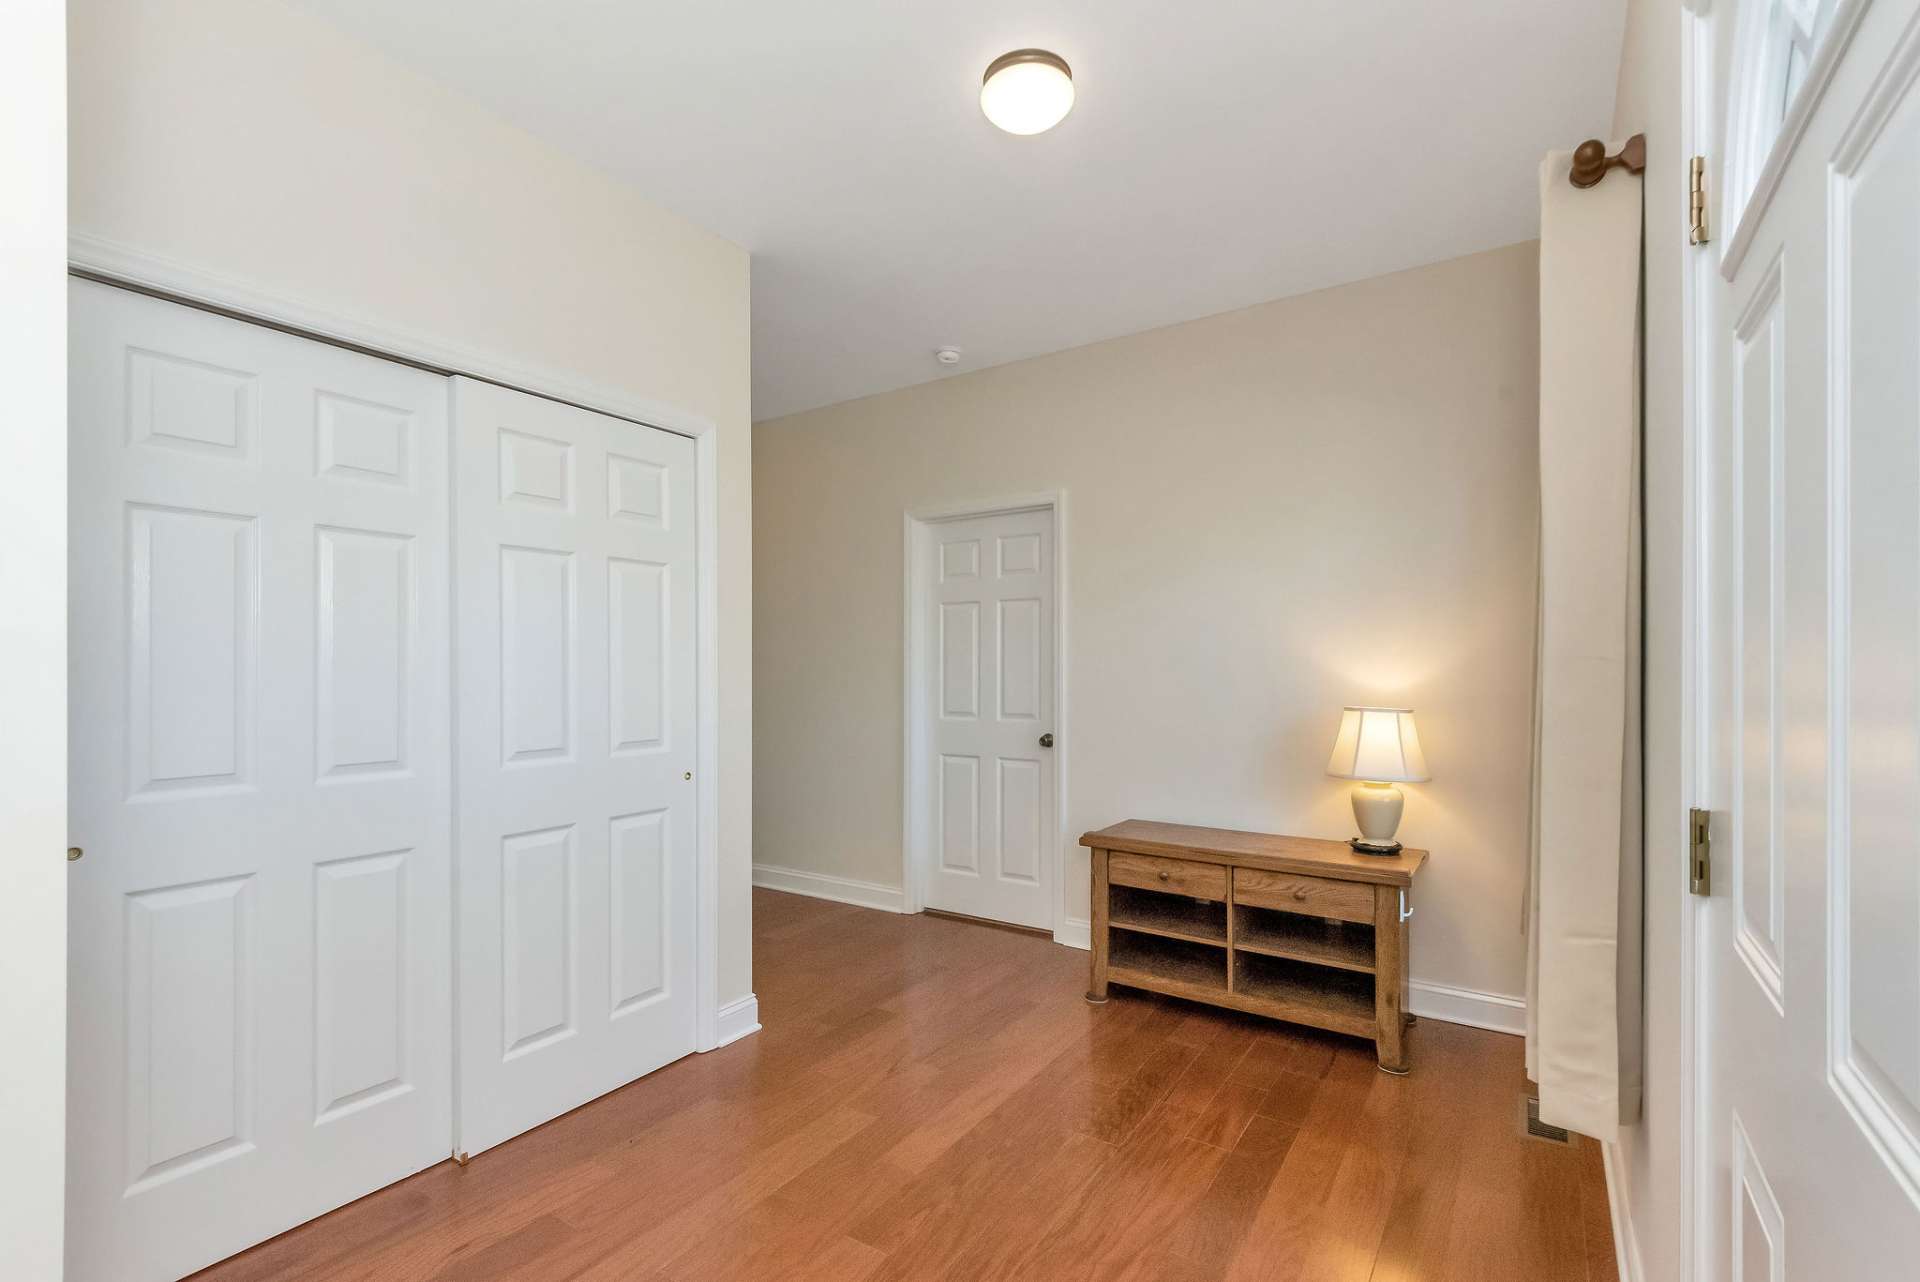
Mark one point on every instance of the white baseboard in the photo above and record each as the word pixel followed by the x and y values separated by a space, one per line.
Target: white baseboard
pixel 738 1018
pixel 1626 1243
pixel 1501 1012
pixel 1075 933
pixel 819 885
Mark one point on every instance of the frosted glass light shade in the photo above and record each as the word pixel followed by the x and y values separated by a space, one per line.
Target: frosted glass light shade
pixel 1378 745
pixel 1028 91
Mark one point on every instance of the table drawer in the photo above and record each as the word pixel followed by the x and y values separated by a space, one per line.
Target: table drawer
pixel 1296 893
pixel 1175 876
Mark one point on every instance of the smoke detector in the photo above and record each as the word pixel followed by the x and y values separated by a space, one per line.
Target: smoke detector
pixel 947 355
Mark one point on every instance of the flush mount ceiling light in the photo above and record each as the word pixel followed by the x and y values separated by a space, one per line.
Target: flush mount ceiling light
pixel 1028 91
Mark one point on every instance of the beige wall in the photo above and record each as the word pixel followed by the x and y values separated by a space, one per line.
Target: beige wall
pixel 1326 500
pixel 1649 1160
pixel 33 641
pixel 246 139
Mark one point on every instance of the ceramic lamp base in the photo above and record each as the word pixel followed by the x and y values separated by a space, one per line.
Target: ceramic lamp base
pixel 1376 809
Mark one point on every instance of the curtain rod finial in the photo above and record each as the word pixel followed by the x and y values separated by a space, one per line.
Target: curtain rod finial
pixel 1591 161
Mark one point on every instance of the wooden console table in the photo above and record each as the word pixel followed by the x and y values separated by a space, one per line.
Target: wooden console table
pixel 1293 928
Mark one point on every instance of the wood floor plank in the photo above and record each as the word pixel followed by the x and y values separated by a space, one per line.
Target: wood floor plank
pixel 998 1155
pixel 1014 1187
pixel 1506 1226
pixel 1132 1206
pixel 966 1098
pixel 1222 1121
pixel 1419 1214
pixel 1289 1097
pixel 776 1239
pixel 1220 1045
pixel 1270 1055
pixel 1116 1114
pixel 1220 1220
pixel 814 1209
pixel 1301 1221
pixel 633 1252
pixel 841 1260
pixel 509 1255
pixel 933 1099
pixel 1554 1243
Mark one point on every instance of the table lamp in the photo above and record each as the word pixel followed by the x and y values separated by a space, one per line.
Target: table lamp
pixel 1378 747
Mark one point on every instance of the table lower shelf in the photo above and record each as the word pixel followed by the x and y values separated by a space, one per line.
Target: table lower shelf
pixel 1337 1000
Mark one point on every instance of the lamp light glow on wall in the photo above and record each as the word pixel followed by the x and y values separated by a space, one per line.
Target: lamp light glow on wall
pixel 1379 747
pixel 1028 91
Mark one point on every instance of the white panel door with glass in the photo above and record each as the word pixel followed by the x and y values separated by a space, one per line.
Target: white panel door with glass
pixel 1808 1111
pixel 575 561
pixel 990 693
pixel 259 961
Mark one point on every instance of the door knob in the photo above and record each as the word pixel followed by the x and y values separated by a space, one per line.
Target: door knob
pixel 1046 740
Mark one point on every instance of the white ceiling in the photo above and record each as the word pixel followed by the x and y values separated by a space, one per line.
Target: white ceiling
pixel 1221 152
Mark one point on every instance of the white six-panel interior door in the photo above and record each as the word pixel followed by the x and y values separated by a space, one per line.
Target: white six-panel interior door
pixel 990 691
pixel 265 915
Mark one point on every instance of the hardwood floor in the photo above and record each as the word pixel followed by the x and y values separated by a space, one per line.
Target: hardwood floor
pixel 932 1098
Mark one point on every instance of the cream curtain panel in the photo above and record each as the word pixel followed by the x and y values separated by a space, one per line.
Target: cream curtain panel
pixel 1584 892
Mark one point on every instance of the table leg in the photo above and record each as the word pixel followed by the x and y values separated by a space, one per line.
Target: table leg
pixel 1097 982
pixel 1389 980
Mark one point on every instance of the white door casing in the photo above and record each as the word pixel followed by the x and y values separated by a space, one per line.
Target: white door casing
pixel 1807 1007
pixel 986 698
pixel 260 1014
pixel 575 561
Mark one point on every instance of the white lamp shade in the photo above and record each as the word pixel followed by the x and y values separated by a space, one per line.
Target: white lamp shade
pixel 1378 745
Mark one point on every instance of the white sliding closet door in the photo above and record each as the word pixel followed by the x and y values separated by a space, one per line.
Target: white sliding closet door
pixel 260 1012
pixel 575 595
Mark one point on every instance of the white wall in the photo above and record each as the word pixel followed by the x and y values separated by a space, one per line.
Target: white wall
pixel 1648 1161
pixel 246 139
pixel 1325 500
pixel 33 639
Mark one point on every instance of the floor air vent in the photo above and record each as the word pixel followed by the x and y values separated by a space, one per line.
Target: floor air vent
pixel 1544 1130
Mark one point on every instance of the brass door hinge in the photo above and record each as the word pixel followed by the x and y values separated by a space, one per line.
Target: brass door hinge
pixel 1700 851
pixel 1697 201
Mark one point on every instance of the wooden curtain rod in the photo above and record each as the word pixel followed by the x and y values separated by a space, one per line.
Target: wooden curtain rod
pixel 1591 161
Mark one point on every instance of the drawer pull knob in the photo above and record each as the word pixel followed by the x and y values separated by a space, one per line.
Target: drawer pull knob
pixel 1165 875
pixel 1300 893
